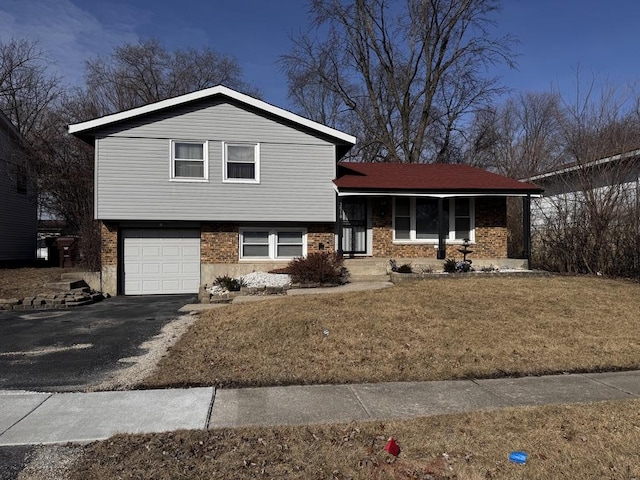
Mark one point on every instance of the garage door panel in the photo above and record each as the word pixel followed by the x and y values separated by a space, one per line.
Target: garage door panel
pixel 170 268
pixel 150 268
pixel 150 251
pixel 190 268
pixel 190 251
pixel 150 286
pixel 171 251
pixel 133 269
pixel 161 261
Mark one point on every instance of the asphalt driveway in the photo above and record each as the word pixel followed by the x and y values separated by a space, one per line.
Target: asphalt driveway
pixel 68 350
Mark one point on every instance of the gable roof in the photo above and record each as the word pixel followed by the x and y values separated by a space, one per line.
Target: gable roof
pixel 575 166
pixel 420 177
pixel 84 129
pixel 8 126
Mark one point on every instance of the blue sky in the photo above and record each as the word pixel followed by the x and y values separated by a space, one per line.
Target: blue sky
pixel 556 36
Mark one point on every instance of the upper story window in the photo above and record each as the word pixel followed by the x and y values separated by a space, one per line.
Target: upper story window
pixel 241 162
pixel 416 219
pixel 189 161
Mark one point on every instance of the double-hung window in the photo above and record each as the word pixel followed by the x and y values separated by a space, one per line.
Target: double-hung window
pixel 272 244
pixel 189 161
pixel 415 219
pixel 241 162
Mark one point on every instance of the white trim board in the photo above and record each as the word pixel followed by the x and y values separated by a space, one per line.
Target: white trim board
pixel 78 128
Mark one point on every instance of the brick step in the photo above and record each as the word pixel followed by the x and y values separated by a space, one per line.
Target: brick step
pixel 66 285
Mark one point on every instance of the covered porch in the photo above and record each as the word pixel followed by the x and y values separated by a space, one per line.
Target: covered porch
pixel 422 214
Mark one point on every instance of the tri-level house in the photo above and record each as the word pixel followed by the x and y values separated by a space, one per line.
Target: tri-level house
pixel 18 202
pixel 216 182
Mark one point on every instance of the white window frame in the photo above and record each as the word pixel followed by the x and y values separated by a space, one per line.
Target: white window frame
pixel 451 234
pixel 256 157
pixel 205 160
pixel 273 242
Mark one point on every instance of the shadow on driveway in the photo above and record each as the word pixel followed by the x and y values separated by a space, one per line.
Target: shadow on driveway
pixel 68 350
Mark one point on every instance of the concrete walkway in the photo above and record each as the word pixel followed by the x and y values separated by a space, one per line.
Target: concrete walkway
pixel 28 418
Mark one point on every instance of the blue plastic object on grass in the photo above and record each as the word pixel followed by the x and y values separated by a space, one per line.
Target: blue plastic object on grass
pixel 518 457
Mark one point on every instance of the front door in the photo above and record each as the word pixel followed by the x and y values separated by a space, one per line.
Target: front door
pixel 353 216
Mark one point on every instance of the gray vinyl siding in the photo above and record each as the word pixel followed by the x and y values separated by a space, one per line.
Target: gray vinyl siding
pixel 18 212
pixel 133 170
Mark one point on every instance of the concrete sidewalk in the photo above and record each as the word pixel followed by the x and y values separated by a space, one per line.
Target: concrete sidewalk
pixel 28 418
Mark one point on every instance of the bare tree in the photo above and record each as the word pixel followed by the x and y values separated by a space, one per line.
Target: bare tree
pixel 137 74
pixel 520 138
pixel 408 73
pixel 590 220
pixel 27 86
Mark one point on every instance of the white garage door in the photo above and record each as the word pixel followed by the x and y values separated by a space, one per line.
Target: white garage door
pixel 161 261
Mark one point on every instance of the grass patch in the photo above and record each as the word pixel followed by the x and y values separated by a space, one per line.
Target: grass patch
pixel 569 441
pixel 429 330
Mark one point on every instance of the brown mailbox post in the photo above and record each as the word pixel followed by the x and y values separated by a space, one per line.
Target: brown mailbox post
pixel 66 251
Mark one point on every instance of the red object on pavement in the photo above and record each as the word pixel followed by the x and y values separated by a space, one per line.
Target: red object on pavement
pixel 392 447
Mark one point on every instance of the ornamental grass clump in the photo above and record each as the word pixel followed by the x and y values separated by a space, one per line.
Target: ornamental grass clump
pixel 452 266
pixel 230 284
pixel 318 267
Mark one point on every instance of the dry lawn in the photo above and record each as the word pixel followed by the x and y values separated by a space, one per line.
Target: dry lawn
pixel 24 282
pixel 573 442
pixel 429 330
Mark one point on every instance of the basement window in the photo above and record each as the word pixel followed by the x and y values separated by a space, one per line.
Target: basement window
pixel 272 244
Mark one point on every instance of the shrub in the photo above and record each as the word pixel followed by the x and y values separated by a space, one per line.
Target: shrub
pixel 229 283
pixel 405 268
pixel 450 265
pixel 319 267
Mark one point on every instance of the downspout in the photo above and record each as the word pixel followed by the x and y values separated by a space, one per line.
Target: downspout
pixel 442 247
pixel 526 229
pixel 339 224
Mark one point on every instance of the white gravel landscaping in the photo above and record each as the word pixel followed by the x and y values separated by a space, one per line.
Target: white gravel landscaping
pixel 263 279
pixel 257 280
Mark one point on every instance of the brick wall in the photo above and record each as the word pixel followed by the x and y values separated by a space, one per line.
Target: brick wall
pixel 219 243
pixel 317 234
pixel 490 234
pixel 108 243
pixel 491 228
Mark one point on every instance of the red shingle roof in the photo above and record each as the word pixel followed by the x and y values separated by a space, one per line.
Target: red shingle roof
pixel 425 177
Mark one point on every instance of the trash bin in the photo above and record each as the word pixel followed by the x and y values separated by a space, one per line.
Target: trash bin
pixel 66 251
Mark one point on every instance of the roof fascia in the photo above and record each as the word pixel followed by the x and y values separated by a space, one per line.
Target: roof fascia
pixel 372 193
pixel 83 127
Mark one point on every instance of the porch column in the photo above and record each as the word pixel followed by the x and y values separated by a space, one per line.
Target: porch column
pixel 339 250
pixel 442 233
pixel 526 229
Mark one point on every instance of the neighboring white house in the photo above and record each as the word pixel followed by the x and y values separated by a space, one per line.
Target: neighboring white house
pixel 612 180
pixel 18 206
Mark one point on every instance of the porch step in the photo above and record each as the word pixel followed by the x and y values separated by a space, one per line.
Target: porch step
pixel 71 275
pixel 367 269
